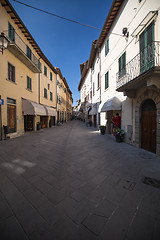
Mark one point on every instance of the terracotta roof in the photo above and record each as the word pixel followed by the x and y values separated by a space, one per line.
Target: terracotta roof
pixel 83 75
pixel 113 12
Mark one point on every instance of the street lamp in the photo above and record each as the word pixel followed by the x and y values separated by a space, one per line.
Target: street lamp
pixel 3 42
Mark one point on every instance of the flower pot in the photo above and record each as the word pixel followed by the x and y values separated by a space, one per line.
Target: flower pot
pixel 38 126
pixel 119 138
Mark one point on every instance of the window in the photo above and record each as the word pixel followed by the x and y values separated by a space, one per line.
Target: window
pixel 147 48
pixel 50 76
pixel 45 71
pixel 29 53
pixel 29 83
pixel 11 72
pixel 91 94
pixel 11 32
pixel 11 115
pixel 51 96
pixel 106 80
pixel 93 90
pixel 122 65
pixel 106 47
pixel 98 82
pixel 45 93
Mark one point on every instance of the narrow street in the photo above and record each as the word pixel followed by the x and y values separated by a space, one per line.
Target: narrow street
pixel 71 183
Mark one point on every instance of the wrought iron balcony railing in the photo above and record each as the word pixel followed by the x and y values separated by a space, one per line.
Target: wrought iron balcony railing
pixel 142 62
pixel 20 49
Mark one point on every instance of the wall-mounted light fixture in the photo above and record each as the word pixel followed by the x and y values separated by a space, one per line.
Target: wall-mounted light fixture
pixel 125 32
pixel 3 42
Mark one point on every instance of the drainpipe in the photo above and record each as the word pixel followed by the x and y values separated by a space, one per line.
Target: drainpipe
pixel 100 72
pixel 39 86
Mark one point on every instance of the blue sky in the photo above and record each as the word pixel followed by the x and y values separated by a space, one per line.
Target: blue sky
pixel 65 44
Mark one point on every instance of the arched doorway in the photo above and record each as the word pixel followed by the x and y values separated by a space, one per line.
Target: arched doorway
pixel 148 125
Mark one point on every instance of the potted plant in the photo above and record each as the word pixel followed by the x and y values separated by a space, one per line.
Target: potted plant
pixel 102 129
pixel 38 125
pixel 119 134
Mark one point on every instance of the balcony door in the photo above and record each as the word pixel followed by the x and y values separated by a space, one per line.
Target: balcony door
pixel 148 126
pixel 146 45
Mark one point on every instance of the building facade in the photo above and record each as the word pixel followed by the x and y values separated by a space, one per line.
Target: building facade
pixel 28 81
pixel 128 48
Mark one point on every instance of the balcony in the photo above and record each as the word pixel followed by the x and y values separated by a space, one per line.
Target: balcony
pixel 138 71
pixel 18 47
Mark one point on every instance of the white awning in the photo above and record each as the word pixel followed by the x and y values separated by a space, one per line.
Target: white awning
pixel 112 104
pixel 93 110
pixel 87 109
pixel 32 108
pixel 50 111
pixel 148 18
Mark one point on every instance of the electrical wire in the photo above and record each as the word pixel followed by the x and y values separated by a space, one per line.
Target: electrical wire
pixel 55 15
pixel 64 18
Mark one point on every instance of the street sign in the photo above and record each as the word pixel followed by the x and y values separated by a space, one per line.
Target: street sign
pixel 1 101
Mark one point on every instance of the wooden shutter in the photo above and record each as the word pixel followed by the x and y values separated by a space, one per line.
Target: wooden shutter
pixel 106 81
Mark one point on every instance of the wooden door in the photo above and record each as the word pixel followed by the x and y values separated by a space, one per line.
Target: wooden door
pixel 11 118
pixel 148 135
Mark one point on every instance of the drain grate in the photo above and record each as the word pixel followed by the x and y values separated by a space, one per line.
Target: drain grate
pixel 151 181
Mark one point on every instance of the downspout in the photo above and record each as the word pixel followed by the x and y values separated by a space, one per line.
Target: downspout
pixel 39 87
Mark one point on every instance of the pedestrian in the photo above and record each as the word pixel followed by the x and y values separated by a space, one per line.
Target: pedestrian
pixel 117 121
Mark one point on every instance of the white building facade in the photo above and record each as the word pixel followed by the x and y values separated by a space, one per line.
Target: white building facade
pixel 129 51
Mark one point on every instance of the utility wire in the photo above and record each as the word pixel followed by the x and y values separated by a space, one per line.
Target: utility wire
pixel 64 18
pixel 58 16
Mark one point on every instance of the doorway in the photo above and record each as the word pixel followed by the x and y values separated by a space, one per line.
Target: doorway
pixel 28 122
pixel 148 126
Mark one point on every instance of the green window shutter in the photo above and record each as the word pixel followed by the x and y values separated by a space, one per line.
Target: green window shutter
pixel 45 71
pixel 29 83
pixel 106 80
pixel 45 93
pixel 50 76
pixel 51 96
pixel 106 47
pixel 11 32
pixel 29 52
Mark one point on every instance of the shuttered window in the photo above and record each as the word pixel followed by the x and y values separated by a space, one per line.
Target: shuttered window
pixel 45 71
pixel 50 76
pixel 106 47
pixel 11 32
pixel 45 93
pixel 29 83
pixel 11 72
pixel 146 45
pixel 122 65
pixel 51 96
pixel 106 80
pixel 29 52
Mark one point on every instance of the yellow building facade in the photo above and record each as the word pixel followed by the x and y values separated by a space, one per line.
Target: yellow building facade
pixel 28 81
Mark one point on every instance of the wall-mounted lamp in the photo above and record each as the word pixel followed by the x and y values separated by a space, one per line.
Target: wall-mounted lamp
pixel 125 32
pixel 3 42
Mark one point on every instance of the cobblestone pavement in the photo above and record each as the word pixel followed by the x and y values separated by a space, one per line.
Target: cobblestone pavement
pixel 71 183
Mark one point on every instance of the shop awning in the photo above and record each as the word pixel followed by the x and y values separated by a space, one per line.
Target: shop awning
pixel 88 109
pixel 93 110
pixel 32 108
pixel 50 111
pixel 112 104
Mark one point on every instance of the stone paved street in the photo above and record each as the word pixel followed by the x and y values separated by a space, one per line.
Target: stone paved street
pixel 72 183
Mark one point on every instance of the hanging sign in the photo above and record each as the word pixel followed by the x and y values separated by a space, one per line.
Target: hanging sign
pixel 1 101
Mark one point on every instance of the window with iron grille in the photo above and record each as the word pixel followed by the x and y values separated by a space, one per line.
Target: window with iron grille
pixel 11 72
pixel 45 93
pixel 29 83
